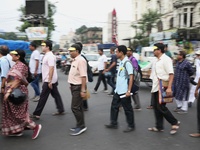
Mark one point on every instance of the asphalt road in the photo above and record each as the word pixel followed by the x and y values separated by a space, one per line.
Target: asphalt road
pixel 55 132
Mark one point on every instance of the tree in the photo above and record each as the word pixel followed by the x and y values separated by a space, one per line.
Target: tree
pixel 47 22
pixel 12 36
pixel 81 30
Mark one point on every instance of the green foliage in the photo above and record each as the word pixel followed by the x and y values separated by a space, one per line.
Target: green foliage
pixel 49 22
pixel 12 36
pixel 81 30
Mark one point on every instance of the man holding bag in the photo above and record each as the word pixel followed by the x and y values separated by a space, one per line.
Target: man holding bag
pixel 163 70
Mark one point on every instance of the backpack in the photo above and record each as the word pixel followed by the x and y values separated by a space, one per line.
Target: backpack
pixel 89 70
pixel 135 85
pixel 139 68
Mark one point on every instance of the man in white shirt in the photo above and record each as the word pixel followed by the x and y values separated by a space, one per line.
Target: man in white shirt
pixel 35 69
pixel 101 67
pixel 163 70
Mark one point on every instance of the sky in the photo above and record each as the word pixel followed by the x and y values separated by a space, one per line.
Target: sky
pixel 70 15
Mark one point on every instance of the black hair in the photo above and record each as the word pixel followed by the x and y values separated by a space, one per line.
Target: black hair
pixel 80 44
pixel 113 48
pixel 122 48
pixel 101 49
pixel 77 47
pixel 33 44
pixel 161 47
pixel 4 50
pixel 183 54
pixel 48 44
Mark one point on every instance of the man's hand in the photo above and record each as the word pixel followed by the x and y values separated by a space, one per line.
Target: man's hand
pixel 128 94
pixel 169 92
pixel 35 74
pixel 105 70
pixel 50 85
pixel 83 94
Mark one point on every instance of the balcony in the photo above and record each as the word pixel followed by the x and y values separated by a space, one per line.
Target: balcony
pixel 181 3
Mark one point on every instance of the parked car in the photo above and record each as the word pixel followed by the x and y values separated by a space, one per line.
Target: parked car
pixel 93 62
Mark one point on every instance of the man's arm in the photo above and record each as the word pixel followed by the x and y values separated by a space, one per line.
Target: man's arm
pixel 36 66
pixel 83 86
pixel 169 88
pixel 111 66
pixel 197 88
pixel 51 71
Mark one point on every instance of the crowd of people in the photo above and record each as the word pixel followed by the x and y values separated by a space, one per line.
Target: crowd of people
pixel 15 118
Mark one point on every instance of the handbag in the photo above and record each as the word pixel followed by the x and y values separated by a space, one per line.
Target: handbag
pixel 17 97
pixel 163 97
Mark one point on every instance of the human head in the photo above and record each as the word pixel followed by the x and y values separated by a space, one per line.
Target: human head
pixel 80 44
pixel 112 50
pixel 4 50
pixel 121 51
pixel 129 52
pixel 198 54
pixel 74 50
pixel 32 46
pixel 46 46
pixel 18 55
pixel 181 55
pixel 158 49
pixel 100 51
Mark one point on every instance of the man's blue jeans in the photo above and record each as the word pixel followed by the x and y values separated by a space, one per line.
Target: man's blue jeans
pixel 35 85
pixel 111 81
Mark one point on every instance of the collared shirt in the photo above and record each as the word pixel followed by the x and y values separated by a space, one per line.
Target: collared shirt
pixel 32 63
pixel 122 79
pixel 161 69
pixel 49 60
pixel 77 71
pixel 102 59
pixel 5 67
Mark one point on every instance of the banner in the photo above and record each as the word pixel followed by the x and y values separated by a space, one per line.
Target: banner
pixel 37 33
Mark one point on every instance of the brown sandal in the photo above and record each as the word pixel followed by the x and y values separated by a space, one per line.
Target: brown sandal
pixel 196 135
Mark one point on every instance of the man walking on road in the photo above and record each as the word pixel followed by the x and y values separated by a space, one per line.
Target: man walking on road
pixel 77 79
pixel 50 82
pixel 111 70
pixel 122 92
pixel 101 67
pixel 35 69
pixel 135 64
pixel 162 70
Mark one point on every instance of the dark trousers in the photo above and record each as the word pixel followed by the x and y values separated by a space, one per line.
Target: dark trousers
pixel 77 105
pixel 101 78
pixel 111 81
pixel 161 111
pixel 44 96
pixel 198 113
pixel 126 104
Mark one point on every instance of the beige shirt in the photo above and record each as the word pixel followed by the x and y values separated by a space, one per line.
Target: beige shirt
pixel 77 71
pixel 161 69
pixel 49 60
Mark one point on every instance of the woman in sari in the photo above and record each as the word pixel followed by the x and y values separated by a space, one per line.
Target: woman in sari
pixel 15 118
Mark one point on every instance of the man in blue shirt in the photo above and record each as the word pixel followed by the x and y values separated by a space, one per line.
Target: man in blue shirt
pixel 122 92
pixel 4 68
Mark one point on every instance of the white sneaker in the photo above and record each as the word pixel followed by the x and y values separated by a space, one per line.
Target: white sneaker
pixel 105 91
pixel 36 99
pixel 94 92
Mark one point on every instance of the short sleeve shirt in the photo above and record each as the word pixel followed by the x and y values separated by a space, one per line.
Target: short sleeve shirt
pixel 49 60
pixel 122 79
pixel 162 67
pixel 113 59
pixel 5 67
pixel 102 59
pixel 77 71
pixel 32 63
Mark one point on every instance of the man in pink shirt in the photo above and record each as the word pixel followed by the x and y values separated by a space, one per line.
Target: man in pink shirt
pixel 50 82
pixel 77 79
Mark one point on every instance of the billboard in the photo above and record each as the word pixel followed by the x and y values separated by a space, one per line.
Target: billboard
pixel 37 33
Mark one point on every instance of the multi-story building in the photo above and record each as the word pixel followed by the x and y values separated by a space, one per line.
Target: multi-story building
pixel 180 20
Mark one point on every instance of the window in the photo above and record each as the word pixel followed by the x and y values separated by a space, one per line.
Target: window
pixel 171 22
pixel 191 17
pixel 160 26
pixel 185 17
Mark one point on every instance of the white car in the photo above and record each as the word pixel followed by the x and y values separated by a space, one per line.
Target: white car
pixel 93 62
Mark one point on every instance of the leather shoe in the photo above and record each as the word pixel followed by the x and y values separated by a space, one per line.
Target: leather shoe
pixel 111 126
pixel 129 129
